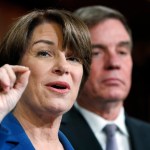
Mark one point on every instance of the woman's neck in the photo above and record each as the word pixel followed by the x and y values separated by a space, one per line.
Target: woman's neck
pixel 42 130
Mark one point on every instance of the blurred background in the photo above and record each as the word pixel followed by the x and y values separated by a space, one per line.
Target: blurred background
pixel 137 13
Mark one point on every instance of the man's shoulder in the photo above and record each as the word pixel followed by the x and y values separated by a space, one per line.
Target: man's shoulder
pixel 131 121
pixel 139 133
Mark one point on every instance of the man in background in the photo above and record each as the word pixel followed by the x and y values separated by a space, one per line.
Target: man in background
pixel 101 101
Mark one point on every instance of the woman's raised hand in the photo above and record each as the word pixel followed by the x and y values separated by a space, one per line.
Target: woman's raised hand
pixel 13 81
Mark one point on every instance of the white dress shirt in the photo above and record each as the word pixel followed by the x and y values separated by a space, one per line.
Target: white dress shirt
pixel 97 124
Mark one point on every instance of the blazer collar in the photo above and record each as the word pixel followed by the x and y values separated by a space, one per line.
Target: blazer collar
pixel 17 137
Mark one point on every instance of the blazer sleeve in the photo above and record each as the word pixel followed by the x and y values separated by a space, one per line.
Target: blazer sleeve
pixel 3 136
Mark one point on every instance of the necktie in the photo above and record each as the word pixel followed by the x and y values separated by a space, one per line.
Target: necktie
pixel 110 130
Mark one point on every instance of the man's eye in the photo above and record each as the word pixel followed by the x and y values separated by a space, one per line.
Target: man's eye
pixel 43 53
pixel 123 52
pixel 95 53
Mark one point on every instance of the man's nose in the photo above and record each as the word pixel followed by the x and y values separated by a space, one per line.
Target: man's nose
pixel 112 61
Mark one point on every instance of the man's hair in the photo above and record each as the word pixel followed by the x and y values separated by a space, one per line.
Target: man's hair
pixel 92 15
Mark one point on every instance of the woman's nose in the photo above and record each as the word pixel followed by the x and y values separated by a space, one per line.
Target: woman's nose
pixel 61 66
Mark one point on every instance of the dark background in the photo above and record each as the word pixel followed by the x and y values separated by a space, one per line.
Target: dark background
pixel 138 15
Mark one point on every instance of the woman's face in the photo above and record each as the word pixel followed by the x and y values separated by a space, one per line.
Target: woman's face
pixel 55 74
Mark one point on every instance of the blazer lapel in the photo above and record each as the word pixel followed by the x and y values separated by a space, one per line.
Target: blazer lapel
pixel 16 138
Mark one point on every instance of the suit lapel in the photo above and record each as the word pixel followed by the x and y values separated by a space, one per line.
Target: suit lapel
pixel 139 135
pixel 72 123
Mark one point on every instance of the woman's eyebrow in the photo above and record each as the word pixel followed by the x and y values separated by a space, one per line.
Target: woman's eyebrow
pixel 44 41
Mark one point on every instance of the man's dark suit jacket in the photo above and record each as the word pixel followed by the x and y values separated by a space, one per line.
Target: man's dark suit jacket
pixel 77 130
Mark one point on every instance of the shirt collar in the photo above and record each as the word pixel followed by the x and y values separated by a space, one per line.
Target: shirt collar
pixel 97 123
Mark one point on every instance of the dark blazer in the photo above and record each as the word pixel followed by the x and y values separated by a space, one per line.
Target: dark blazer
pixel 77 130
pixel 13 136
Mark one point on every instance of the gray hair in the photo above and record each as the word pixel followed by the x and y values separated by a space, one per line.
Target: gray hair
pixel 92 15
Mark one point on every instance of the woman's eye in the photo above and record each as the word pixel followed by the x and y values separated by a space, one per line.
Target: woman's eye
pixel 74 59
pixel 43 53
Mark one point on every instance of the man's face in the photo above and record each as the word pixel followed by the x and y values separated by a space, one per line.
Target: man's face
pixel 110 77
